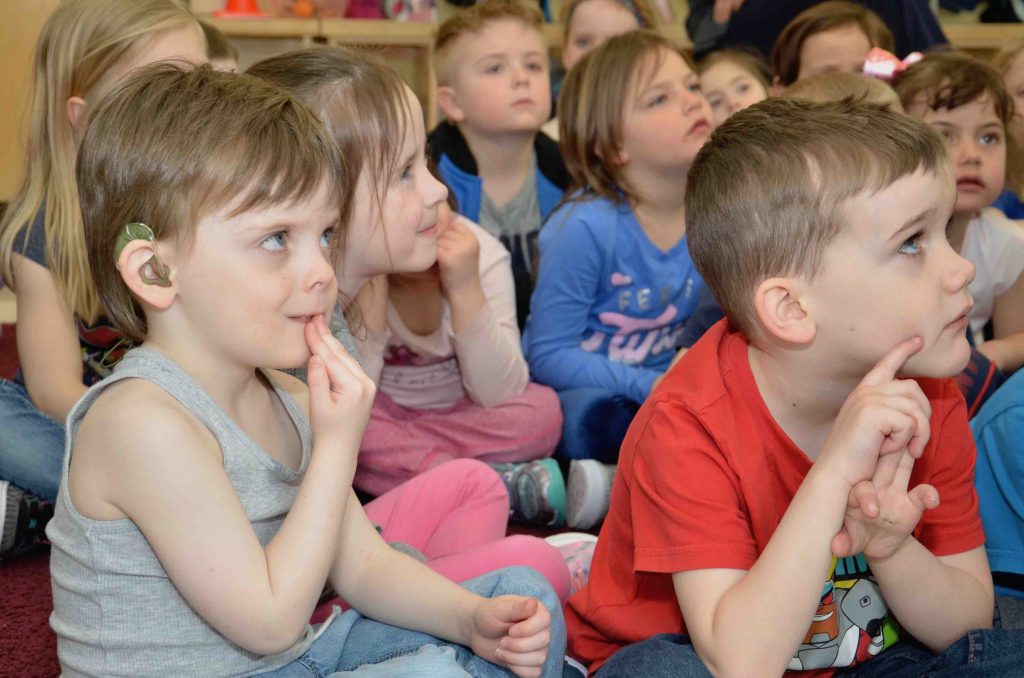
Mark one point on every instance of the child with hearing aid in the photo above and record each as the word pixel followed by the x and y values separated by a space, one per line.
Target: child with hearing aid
pixel 616 283
pixel 491 62
pixel 65 343
pixel 198 480
pixel 434 314
pixel 966 100
pixel 833 36
pixel 797 494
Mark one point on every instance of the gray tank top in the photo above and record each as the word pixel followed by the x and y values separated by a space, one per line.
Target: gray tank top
pixel 115 611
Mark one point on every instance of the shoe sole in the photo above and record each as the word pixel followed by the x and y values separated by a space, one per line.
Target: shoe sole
pixel 563 538
pixel 587 494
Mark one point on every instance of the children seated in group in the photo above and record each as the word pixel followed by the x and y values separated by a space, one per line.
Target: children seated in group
pixel 436 314
pixel 965 99
pixel 221 53
pixel 395 197
pixel 828 37
pixel 1011 64
pixel 194 479
pixel 494 88
pixel 731 80
pixel 586 24
pixel 824 489
pixel 616 283
pixel 65 343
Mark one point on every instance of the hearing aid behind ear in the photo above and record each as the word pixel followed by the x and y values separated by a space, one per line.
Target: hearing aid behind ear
pixel 152 272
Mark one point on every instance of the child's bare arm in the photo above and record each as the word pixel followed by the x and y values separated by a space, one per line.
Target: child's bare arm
pixel 47 341
pixel 1006 349
pixel 767 609
pixel 936 599
pixel 141 455
pixel 393 588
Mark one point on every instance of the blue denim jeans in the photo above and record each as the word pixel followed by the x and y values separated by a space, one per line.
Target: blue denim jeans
pixel 992 653
pixel 595 422
pixel 354 645
pixel 31 443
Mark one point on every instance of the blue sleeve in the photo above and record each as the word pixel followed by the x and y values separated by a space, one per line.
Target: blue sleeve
pixel 998 430
pixel 31 241
pixel 705 314
pixel 572 264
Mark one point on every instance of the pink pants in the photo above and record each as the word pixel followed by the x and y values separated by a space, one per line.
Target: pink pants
pixel 456 515
pixel 400 443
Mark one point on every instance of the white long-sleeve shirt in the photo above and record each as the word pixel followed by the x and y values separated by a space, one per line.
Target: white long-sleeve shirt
pixel 484 362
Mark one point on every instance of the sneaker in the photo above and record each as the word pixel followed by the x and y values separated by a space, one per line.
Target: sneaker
pixel 23 519
pixel 590 490
pixel 577 550
pixel 536 492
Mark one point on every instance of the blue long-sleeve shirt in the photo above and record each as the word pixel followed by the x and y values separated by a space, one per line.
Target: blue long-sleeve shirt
pixel 609 305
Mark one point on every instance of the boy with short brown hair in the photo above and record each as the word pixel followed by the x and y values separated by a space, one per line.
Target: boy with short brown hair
pixel 778 495
pixel 495 90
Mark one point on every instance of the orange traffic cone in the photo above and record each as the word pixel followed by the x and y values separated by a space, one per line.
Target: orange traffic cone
pixel 240 8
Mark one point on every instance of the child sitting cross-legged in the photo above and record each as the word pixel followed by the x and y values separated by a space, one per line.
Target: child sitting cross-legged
pixel 616 284
pixel 495 90
pixel 797 493
pixel 206 499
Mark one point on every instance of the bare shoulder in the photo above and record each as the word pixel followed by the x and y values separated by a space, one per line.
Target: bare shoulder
pixel 133 434
pixel 293 386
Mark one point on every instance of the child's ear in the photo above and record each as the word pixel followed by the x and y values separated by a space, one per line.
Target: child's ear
pixel 621 156
pixel 448 100
pixel 778 306
pixel 777 88
pixel 146 274
pixel 74 107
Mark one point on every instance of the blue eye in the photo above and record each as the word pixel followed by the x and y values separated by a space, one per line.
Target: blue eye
pixel 693 88
pixel 495 68
pixel 327 237
pixel 657 101
pixel 537 67
pixel 911 246
pixel 406 172
pixel 990 139
pixel 276 242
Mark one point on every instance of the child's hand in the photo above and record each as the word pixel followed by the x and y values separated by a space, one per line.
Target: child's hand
pixel 513 631
pixel 883 415
pixel 372 300
pixel 881 513
pixel 458 254
pixel 340 393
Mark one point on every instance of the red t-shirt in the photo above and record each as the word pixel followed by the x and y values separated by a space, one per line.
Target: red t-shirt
pixel 704 478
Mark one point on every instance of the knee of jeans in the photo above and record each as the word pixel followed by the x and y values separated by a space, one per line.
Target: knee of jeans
pixel 526 581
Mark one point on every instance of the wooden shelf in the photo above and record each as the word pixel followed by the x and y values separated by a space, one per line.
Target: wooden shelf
pixel 385 32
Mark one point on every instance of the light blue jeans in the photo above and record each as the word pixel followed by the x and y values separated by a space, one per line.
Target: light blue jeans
pixel 353 645
pixel 31 443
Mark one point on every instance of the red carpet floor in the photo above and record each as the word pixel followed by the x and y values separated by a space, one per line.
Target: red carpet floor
pixel 27 645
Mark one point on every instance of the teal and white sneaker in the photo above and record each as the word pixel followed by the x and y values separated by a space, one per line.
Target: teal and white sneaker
pixel 590 491
pixel 536 492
